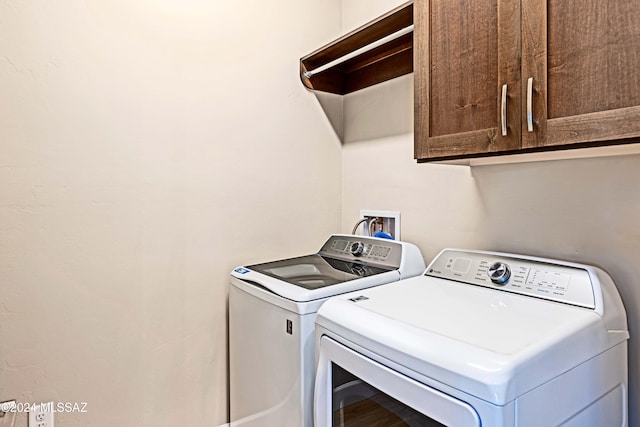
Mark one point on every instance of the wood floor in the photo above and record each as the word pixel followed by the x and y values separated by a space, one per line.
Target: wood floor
pixel 371 413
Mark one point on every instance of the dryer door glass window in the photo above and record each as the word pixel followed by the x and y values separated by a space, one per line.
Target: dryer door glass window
pixel 356 391
pixel 356 403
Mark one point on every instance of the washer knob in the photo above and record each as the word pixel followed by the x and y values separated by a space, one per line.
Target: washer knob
pixel 499 273
pixel 358 270
pixel 357 248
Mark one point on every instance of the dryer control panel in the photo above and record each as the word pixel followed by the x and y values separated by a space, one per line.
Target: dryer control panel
pixel 535 277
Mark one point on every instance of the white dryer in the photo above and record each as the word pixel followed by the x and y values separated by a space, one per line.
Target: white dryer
pixel 481 339
pixel 272 309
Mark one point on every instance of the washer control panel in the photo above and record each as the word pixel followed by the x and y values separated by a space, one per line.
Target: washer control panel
pixel 363 249
pixel 531 277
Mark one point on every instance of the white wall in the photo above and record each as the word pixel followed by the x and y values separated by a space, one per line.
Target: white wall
pixel 147 148
pixel 583 210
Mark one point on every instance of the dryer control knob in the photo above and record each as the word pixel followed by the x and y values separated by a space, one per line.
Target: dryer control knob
pixel 357 248
pixel 499 273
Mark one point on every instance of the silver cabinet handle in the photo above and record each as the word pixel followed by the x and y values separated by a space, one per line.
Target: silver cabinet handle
pixel 503 110
pixel 530 104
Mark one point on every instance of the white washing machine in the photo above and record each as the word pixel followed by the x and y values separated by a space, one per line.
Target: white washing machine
pixel 481 339
pixel 272 309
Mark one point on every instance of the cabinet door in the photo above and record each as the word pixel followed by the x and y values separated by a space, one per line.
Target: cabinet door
pixel 464 52
pixel 584 58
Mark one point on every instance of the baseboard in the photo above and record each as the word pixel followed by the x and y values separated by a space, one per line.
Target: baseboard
pixel 224 425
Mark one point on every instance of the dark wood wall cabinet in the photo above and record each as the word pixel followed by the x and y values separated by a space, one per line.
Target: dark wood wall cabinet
pixel 510 76
pixel 392 58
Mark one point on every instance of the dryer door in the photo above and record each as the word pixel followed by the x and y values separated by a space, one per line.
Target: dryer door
pixel 354 391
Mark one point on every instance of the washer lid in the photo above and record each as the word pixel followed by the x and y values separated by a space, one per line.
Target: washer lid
pixel 344 264
pixel 493 345
pixel 325 286
pixel 316 271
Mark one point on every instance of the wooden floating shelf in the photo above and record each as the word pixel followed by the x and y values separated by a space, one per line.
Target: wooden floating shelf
pixel 385 62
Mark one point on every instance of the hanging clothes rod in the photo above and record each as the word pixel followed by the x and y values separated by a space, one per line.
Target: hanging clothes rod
pixel 360 51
